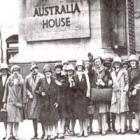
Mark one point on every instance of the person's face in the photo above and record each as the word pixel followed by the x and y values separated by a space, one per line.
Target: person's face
pixel 4 71
pixel 58 70
pixel 98 63
pixel 90 57
pixel 70 72
pixel 79 68
pixel 35 71
pixel 125 66
pixel 117 65
pixel 133 64
pixel 48 74
pixel 65 67
pixel 15 73
pixel 87 65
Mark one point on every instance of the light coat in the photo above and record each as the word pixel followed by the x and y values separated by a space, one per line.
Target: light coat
pixel 119 103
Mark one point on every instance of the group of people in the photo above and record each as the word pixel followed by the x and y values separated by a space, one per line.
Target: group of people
pixel 62 94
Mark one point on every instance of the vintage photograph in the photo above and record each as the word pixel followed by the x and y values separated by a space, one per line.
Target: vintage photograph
pixel 69 69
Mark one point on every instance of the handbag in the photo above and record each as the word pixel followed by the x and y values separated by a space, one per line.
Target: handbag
pixel 3 115
pixel 104 94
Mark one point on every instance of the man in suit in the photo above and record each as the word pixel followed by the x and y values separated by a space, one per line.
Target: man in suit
pixel 34 101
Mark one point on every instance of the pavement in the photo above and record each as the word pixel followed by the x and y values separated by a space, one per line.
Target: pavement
pixel 26 133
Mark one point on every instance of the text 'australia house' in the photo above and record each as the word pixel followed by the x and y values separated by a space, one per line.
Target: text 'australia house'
pixel 56 10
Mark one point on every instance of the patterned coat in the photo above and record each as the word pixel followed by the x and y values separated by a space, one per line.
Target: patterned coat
pixel 33 105
pixel 2 87
pixel 15 97
pixel 101 75
pixel 119 103
pixel 134 79
pixel 49 113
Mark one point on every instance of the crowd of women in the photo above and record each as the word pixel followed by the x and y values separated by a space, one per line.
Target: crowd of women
pixel 62 94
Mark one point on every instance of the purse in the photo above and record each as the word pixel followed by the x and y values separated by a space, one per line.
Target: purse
pixel 3 115
pixel 104 94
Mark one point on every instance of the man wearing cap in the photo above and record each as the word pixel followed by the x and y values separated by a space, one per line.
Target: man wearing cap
pixel 3 78
pixel 34 101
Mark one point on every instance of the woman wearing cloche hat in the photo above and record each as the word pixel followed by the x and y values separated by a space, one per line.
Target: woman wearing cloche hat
pixel 82 95
pixel 14 98
pixel 47 89
pixel 134 98
pixel 119 102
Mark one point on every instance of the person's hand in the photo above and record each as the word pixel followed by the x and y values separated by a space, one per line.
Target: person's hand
pixel 56 105
pixel 88 94
pixel 134 92
pixel 58 83
pixel 102 83
pixel 4 106
pixel 43 94
pixel 30 96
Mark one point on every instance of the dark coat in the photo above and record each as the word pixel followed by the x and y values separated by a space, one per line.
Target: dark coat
pixel 81 101
pixel 49 113
pixel 70 99
pixel 62 109
pixel 134 79
pixel 2 88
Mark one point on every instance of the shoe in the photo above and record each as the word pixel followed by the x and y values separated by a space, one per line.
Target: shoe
pixel 135 132
pixel 104 133
pixel 80 134
pixel 42 137
pixel 85 134
pixel 118 132
pixel 61 136
pixel 16 138
pixel 4 138
pixel 35 137
pixel 123 132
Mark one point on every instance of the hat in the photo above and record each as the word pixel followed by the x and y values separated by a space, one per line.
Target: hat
pixel 108 61
pixel 15 68
pixel 4 66
pixel 125 62
pixel 133 58
pixel 65 62
pixel 80 63
pixel 33 66
pixel 70 67
pixel 117 59
pixel 47 68
pixel 58 65
pixel 98 58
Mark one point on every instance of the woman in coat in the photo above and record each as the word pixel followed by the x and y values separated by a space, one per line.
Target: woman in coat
pixel 119 102
pixel 134 96
pixel 70 95
pixel 101 80
pixel 4 70
pixel 81 97
pixel 48 90
pixel 14 99
pixel 62 84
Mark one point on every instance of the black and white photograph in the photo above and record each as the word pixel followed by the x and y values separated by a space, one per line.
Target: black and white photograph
pixel 69 69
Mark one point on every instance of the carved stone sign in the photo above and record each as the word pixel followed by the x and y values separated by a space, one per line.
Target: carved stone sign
pixel 57 19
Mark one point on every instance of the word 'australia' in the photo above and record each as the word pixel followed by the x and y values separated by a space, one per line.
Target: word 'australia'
pixel 54 10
